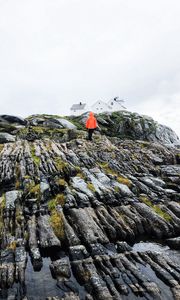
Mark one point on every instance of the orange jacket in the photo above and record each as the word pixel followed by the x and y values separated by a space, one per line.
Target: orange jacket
pixel 91 122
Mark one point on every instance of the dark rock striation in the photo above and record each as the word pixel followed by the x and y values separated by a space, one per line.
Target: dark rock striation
pixel 72 210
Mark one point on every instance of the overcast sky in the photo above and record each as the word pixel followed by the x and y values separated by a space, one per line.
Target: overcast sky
pixel 54 53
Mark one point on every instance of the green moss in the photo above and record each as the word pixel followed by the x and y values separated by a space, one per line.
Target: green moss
pixel 23 131
pixel 62 182
pixel 38 129
pixel 12 245
pixel 35 158
pixel 57 223
pixel 91 187
pixel 52 204
pixel 27 177
pixel 26 236
pixel 40 132
pixel 33 190
pixel 107 169
pixel 124 180
pixel 79 172
pixel 156 209
pixel 161 213
pixel 58 200
pixel 116 188
pixel 60 164
pixel 146 200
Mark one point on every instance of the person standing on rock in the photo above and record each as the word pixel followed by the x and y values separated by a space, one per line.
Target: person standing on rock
pixel 91 125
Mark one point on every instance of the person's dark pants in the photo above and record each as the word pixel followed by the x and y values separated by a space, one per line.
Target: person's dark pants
pixel 90 133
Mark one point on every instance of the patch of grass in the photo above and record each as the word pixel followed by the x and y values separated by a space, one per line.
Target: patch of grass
pixel 59 199
pixel 27 177
pixel 60 164
pixel 33 190
pixel 56 221
pixel 145 200
pixel 61 182
pixel 1 147
pixel 52 204
pixel 40 132
pixel 23 131
pixel 116 188
pixel 79 172
pixel 161 213
pixel 91 187
pixel 124 180
pixel 26 236
pixel 12 246
pixel 156 209
pixel 35 158
pixel 106 168
pixel 38 129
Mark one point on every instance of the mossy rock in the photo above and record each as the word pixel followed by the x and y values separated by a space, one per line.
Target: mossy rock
pixel 58 200
pixel 32 189
pixel 91 187
pixel 156 209
pixel 1 147
pixel 57 223
pixel 36 159
pixel 124 180
pixel 2 206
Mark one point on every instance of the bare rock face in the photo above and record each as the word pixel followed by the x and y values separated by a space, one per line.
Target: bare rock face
pixel 132 125
pixel 6 137
pixel 89 220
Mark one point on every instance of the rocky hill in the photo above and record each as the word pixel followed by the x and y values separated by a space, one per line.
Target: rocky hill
pixel 89 220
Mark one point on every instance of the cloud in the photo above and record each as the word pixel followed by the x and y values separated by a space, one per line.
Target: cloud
pixel 55 53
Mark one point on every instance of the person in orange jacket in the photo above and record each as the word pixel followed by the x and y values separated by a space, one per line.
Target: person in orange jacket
pixel 91 125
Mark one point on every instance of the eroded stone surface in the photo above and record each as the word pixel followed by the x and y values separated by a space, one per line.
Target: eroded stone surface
pixel 83 205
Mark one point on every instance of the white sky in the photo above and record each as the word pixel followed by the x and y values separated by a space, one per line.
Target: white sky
pixel 54 53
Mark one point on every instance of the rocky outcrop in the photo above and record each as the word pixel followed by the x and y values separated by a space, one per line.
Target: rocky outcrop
pixel 134 126
pixel 71 211
pixel 6 137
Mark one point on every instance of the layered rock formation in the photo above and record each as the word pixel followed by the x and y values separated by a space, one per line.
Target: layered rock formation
pixel 72 211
